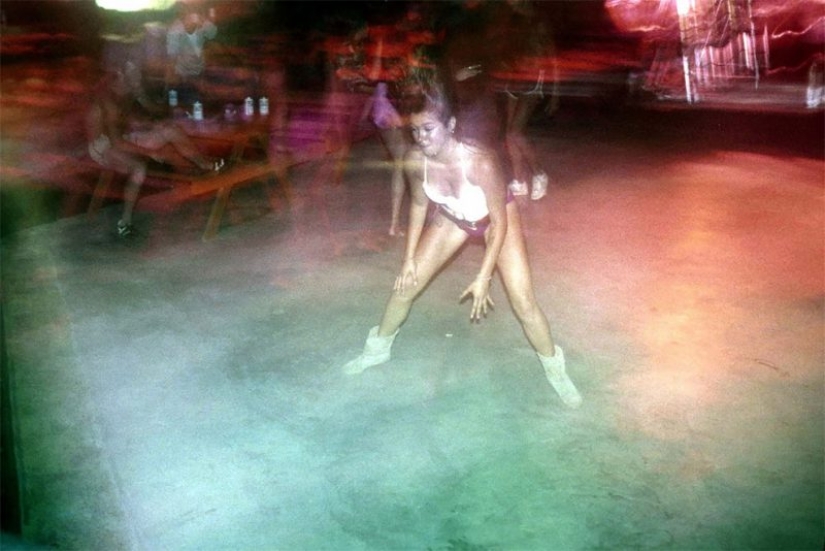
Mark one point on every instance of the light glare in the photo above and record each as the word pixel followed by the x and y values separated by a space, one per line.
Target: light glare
pixel 134 5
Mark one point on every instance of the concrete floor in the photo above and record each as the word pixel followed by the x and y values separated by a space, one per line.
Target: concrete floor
pixel 174 394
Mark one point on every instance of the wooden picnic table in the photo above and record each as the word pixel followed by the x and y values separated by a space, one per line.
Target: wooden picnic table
pixel 242 142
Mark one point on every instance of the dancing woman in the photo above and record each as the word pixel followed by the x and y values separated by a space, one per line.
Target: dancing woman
pixel 467 186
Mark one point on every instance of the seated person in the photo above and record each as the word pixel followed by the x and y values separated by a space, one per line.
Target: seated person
pixel 122 134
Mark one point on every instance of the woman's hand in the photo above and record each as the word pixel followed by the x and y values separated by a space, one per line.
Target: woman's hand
pixel 480 290
pixel 407 278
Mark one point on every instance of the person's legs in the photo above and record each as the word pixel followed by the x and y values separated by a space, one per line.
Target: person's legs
pixel 346 119
pixel 513 139
pixel 526 167
pixel 538 177
pixel 440 241
pixel 161 135
pixel 514 267
pixel 175 137
pixel 135 169
pixel 525 107
pixel 130 194
pixel 393 139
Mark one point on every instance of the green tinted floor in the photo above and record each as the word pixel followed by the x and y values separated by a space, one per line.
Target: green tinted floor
pixel 174 394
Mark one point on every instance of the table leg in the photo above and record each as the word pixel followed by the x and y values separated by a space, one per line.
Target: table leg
pixel 215 216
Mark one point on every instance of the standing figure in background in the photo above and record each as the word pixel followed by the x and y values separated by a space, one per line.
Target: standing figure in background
pixel 467 187
pixel 345 91
pixel 387 52
pixel 185 42
pixel 530 49
pixel 390 125
pixel 469 54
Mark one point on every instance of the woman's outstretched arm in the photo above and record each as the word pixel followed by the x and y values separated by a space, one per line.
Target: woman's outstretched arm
pixel 485 173
pixel 414 171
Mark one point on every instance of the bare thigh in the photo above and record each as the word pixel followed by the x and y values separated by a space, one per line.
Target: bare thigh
pixel 151 138
pixel 441 240
pixel 513 264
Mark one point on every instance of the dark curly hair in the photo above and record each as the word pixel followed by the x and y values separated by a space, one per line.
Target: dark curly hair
pixel 427 93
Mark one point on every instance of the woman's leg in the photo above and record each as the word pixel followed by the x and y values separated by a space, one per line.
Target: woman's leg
pixel 135 169
pixel 525 163
pixel 440 241
pixel 528 106
pixel 515 271
pixel 395 143
pixel 183 145
pixel 513 141
pixel 514 267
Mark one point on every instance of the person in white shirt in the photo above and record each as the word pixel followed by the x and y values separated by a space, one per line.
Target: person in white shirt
pixel 185 42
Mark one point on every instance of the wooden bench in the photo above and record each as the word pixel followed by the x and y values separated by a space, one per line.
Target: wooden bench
pixel 189 186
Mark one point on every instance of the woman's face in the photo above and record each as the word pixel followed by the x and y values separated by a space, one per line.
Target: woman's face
pixel 430 132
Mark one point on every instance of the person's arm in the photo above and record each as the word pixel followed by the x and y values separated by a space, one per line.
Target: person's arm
pixel 210 30
pixel 413 168
pixel 486 173
pixel 115 124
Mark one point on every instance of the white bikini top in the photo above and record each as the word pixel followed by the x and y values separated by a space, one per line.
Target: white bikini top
pixel 470 205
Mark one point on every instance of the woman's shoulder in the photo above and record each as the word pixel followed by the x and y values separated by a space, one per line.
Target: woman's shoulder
pixel 479 155
pixel 483 164
pixel 474 148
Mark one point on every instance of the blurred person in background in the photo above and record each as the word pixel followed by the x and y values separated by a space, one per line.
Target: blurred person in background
pixel 468 55
pixel 185 41
pixel 345 94
pixel 388 52
pixel 383 114
pixel 522 70
pixel 123 131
